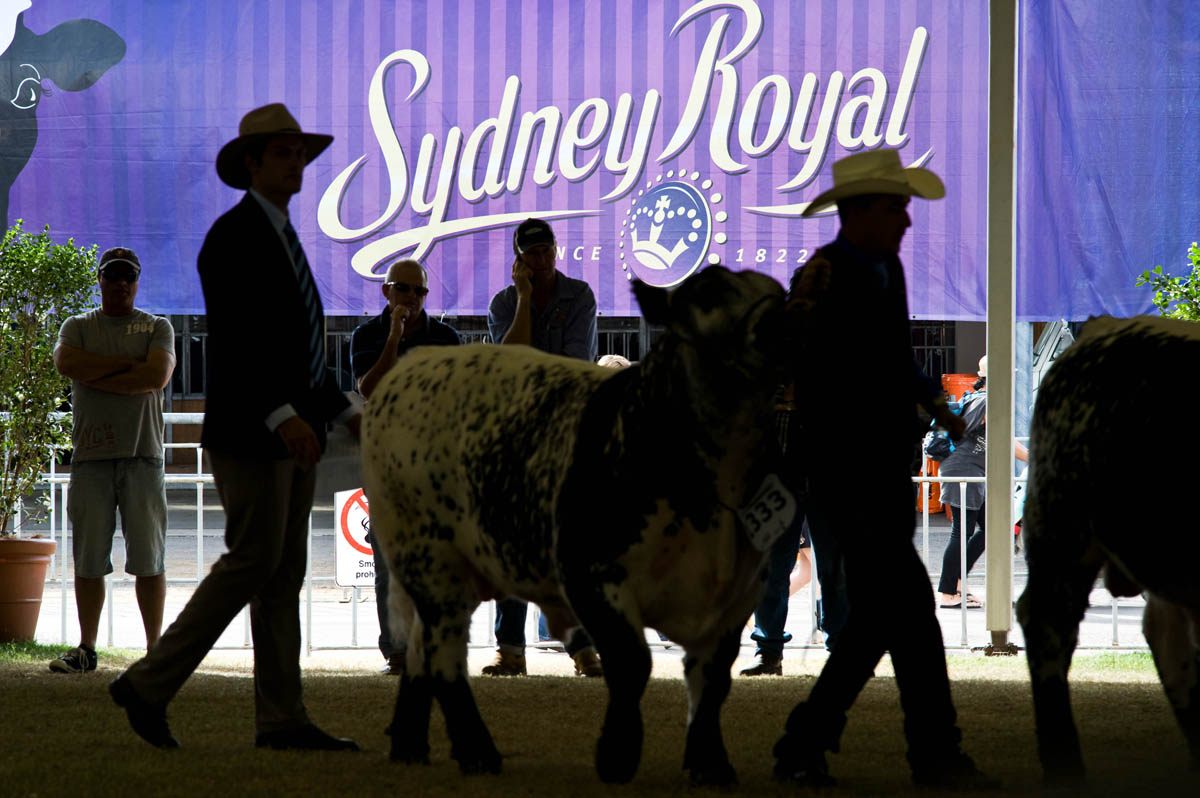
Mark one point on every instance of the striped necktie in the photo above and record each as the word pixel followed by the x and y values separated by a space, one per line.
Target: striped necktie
pixel 312 306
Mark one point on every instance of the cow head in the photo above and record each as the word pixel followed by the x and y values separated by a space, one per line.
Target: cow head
pixel 72 56
pixel 732 322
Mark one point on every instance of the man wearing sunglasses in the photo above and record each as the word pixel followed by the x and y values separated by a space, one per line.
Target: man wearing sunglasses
pixel 375 346
pixel 119 359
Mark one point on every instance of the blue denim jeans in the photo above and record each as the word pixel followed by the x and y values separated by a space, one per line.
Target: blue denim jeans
pixel 510 624
pixel 510 629
pixel 387 646
pixel 770 616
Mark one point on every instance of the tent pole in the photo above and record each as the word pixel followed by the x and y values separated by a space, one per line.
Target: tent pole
pixel 1001 240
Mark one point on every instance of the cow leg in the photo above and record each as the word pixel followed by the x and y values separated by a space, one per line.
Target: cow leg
pixel 470 741
pixel 1060 577
pixel 1173 633
pixel 707 672
pixel 446 663
pixel 410 721
pixel 433 576
pixel 414 699
pixel 626 658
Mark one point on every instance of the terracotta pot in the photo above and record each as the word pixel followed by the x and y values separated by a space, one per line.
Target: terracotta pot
pixel 23 563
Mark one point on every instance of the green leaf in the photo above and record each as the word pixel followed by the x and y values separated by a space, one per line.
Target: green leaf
pixel 41 284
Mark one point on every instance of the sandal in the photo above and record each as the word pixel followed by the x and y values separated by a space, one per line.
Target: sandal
pixel 972 604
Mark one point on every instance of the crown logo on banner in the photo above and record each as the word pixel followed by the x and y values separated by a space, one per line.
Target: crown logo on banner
pixel 669 228
pixel 650 252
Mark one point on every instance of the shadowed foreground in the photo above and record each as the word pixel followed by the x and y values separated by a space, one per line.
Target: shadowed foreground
pixel 62 735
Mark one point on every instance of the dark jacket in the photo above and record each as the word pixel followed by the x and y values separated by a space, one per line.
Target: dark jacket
pixel 367 340
pixel 257 359
pixel 857 382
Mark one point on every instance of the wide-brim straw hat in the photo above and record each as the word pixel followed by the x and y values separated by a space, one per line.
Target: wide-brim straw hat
pixel 270 120
pixel 876 172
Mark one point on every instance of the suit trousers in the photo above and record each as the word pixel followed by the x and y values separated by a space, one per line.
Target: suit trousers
pixel 267 505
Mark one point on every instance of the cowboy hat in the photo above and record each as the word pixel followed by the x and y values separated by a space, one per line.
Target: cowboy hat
pixel 876 172
pixel 270 120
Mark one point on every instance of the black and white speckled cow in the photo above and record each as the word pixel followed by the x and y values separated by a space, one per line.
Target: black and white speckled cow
pixel 605 497
pixel 1106 405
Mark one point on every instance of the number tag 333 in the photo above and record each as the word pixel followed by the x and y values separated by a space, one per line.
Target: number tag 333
pixel 769 514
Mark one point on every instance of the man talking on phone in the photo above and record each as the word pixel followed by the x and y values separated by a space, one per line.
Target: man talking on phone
pixel 550 311
pixel 543 308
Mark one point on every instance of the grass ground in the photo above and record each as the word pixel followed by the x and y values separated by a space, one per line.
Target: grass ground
pixel 62 735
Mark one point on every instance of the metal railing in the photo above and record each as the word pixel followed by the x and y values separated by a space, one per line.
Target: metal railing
pixel 58 577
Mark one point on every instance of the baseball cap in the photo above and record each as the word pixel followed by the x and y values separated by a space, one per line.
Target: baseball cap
pixel 531 233
pixel 120 255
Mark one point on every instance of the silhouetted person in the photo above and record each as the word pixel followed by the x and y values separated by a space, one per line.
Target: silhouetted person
pixel 119 359
pixel 269 399
pixel 550 311
pixel 852 315
pixel 375 347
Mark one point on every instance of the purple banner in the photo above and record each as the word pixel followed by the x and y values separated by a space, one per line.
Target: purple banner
pixel 656 136
pixel 1107 153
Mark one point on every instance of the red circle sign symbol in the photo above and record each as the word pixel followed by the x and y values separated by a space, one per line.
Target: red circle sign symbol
pixel 357 499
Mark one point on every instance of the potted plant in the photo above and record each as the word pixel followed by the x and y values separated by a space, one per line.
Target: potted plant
pixel 41 284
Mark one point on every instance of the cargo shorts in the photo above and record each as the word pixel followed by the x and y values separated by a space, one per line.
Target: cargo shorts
pixel 134 486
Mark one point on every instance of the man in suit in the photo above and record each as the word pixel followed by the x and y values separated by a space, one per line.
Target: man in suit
pixel 268 401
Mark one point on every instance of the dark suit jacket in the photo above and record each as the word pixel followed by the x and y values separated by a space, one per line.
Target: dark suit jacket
pixel 258 331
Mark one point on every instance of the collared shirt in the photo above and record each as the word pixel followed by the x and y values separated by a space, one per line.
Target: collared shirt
pixel 368 338
pixel 565 326
pixel 278 217
pixel 279 220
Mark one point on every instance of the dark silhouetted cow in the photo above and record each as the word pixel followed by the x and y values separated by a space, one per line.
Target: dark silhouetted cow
pixel 73 55
pixel 608 498
pixel 1109 404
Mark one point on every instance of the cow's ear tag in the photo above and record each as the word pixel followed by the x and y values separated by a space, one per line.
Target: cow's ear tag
pixel 769 514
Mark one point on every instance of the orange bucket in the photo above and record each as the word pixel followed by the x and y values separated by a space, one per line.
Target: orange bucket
pixel 935 504
pixel 955 385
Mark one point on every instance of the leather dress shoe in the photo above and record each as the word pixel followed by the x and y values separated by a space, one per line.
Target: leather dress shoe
pixel 149 721
pixel 304 738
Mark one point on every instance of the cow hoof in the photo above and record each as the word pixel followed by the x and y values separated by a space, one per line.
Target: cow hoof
pixel 809 770
pixel 410 752
pixel 716 776
pixel 617 759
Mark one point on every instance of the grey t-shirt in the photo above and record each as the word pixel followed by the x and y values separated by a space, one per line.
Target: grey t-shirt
pixel 107 425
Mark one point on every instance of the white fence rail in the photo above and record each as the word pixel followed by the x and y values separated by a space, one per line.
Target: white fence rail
pixel 331 620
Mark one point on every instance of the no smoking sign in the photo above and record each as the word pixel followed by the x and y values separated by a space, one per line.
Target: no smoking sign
pixel 355 559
